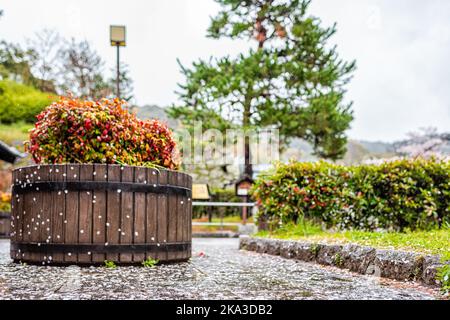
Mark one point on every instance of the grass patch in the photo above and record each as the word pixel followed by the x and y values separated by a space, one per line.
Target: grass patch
pixel 429 242
pixel 200 229
pixel 110 264
pixel 227 219
pixel 15 134
pixel 150 262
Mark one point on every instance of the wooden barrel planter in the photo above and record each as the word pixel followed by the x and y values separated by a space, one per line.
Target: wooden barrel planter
pixel 5 223
pixel 89 213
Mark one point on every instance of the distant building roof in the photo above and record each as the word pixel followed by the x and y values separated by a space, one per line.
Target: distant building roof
pixel 9 154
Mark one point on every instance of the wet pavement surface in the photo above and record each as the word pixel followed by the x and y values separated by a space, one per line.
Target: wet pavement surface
pixel 218 270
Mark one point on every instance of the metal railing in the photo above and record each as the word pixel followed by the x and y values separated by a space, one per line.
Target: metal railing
pixel 243 205
pixel 223 204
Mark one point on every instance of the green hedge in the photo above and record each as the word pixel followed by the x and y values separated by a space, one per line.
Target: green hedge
pixel 21 103
pixel 393 196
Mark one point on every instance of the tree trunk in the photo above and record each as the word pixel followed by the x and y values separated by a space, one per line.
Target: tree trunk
pixel 248 168
pixel 261 40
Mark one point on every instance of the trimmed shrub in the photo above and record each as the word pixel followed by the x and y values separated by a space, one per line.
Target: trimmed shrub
pixel 406 194
pixel 21 103
pixel 76 131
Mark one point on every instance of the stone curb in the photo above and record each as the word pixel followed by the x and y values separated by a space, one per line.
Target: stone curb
pixel 392 264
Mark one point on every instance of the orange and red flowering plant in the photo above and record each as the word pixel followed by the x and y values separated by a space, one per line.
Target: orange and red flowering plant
pixel 77 131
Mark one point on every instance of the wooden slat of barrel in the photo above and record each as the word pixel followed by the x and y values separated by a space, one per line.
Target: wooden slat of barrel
pixel 172 215
pixel 163 218
pixel 139 236
pixel 33 205
pixel 190 212
pixel 180 214
pixel 58 211
pixel 162 221
pixel 86 216
pixel 26 216
pixel 189 208
pixel 20 210
pixel 126 215
pixel 17 210
pixel 99 212
pixel 43 174
pixel 177 214
pixel 113 212
pixel 151 224
pixel 17 202
pixel 184 212
pixel 71 227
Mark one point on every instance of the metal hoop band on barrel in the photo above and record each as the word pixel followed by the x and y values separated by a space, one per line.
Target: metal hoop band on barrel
pixel 100 186
pixel 96 248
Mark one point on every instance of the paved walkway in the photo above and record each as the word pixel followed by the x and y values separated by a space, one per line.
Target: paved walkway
pixel 218 270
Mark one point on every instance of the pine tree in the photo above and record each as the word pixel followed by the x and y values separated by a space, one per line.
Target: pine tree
pixel 292 80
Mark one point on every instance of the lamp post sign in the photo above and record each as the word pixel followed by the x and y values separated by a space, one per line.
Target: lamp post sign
pixel 243 188
pixel 118 39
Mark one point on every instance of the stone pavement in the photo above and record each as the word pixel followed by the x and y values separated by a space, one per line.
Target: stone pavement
pixel 218 270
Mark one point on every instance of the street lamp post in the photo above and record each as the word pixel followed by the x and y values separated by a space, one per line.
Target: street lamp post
pixel 118 39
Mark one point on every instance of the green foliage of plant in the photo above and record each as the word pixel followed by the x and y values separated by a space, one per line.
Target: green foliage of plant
pixel 19 102
pixel 338 260
pixel 76 131
pixel 150 262
pixel 110 264
pixel 225 195
pixel 315 249
pixel 15 64
pixel 400 195
pixel 444 278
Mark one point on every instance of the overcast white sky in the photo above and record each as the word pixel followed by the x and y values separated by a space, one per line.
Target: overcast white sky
pixel 402 48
